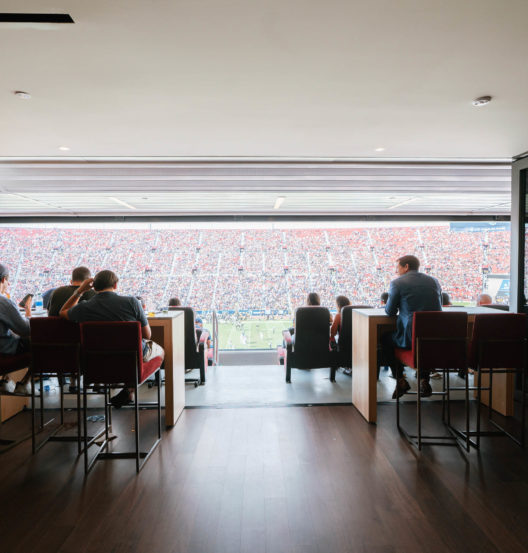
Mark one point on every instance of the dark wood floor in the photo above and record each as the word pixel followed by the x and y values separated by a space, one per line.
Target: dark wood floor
pixel 303 480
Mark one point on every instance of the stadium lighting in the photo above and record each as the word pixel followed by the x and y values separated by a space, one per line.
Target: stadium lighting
pixel 121 202
pixel 64 148
pixel 405 202
pixel 279 201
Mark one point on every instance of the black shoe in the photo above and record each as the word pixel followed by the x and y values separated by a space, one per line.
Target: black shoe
pixel 120 399
pixel 425 388
pixel 402 386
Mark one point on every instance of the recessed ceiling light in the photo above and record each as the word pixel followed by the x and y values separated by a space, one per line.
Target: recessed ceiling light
pixel 379 150
pixel 482 101
pixel 279 201
pixel 64 148
pixel 22 94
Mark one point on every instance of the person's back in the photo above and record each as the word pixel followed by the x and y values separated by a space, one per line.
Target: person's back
pixel 62 294
pixel 411 292
pixel 108 306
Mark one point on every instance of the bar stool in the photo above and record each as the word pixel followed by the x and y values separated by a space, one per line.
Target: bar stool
pixel 9 364
pixel 498 345
pixel 439 342
pixel 111 355
pixel 55 351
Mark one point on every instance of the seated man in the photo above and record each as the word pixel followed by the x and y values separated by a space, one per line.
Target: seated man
pixel 484 299
pixel 14 333
pixel 175 302
pixel 411 291
pixel 61 295
pixel 107 305
pixel 446 300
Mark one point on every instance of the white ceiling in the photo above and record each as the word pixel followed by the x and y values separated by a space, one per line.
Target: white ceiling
pixel 229 188
pixel 265 79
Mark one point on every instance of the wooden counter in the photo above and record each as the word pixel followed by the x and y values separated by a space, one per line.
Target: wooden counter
pixel 168 332
pixel 368 325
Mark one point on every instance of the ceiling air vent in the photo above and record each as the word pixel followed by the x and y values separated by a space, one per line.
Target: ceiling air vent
pixel 35 18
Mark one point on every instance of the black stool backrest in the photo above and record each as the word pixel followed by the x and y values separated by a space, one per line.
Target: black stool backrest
pixel 312 331
pixel 345 331
pixel 55 345
pixel 440 339
pixel 498 341
pixel 190 334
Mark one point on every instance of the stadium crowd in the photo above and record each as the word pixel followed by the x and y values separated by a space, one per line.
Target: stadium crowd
pixel 239 269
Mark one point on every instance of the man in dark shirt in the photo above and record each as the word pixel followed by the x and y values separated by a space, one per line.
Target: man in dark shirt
pixel 410 292
pixel 63 293
pixel 107 305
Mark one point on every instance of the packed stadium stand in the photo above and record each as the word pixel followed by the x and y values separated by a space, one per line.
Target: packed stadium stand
pixel 246 269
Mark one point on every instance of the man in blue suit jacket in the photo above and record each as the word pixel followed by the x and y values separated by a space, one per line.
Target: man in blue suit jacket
pixel 411 291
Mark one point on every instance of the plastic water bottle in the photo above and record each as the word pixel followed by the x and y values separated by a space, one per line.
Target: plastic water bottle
pixel 39 303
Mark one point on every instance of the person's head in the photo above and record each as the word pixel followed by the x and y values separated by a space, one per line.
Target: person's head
pixel 484 299
pixel 384 298
pixel 174 302
pixel 446 300
pixel 313 299
pixel 4 278
pixel 105 280
pixel 79 275
pixel 198 323
pixel 407 263
pixel 342 301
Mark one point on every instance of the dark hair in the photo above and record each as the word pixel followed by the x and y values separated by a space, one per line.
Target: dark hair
pixel 342 301
pixel 4 271
pixel 174 302
pixel 313 299
pixel 411 260
pixel 446 300
pixel 105 279
pixel 384 297
pixel 80 273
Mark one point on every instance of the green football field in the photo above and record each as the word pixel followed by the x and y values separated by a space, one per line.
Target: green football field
pixel 252 334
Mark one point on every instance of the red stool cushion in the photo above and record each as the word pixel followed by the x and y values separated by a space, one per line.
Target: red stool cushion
pixel 406 356
pixel 148 368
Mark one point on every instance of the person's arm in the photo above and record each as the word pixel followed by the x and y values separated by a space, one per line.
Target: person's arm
pixel 335 326
pixel 74 298
pixel 146 332
pixel 439 289
pixel 393 303
pixel 18 324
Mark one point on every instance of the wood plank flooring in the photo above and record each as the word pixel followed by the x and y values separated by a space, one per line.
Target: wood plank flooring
pixel 268 480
